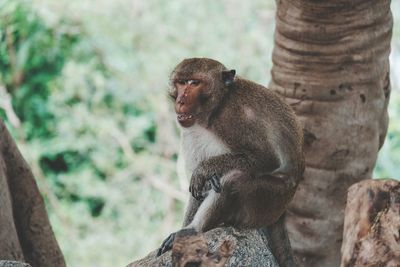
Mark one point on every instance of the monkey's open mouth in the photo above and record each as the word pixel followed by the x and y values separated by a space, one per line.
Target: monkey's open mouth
pixel 186 120
pixel 183 117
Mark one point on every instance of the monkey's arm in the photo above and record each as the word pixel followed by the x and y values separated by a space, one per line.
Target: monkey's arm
pixel 216 166
pixel 220 165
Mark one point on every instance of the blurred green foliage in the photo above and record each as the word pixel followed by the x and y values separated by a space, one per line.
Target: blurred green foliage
pixel 24 70
pixel 88 82
pixel 90 134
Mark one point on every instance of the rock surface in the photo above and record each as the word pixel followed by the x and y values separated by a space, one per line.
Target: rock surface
pixel 13 264
pixel 371 234
pixel 248 248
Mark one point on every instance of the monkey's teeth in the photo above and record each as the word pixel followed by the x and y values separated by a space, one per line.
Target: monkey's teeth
pixel 184 117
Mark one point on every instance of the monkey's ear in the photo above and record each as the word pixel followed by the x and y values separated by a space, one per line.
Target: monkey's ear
pixel 228 76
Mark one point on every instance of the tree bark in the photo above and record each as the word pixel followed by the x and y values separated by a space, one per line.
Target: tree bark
pixel 371 235
pixel 25 231
pixel 330 62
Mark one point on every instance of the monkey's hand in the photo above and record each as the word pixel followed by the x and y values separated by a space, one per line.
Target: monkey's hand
pixel 198 183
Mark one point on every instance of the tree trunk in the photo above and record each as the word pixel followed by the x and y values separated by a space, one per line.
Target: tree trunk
pixel 25 231
pixel 331 64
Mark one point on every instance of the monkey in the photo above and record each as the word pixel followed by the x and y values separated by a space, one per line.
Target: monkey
pixel 242 146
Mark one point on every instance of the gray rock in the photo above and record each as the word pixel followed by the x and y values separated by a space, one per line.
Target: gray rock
pixel 13 264
pixel 251 249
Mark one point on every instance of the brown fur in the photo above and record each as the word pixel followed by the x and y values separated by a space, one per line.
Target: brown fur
pixel 260 174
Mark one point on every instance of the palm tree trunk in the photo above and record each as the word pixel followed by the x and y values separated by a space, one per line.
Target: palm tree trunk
pixel 330 62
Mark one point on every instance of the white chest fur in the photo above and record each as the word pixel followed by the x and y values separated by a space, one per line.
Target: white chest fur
pixel 199 144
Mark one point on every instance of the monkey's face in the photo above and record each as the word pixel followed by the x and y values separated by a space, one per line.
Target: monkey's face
pixel 190 96
pixel 198 86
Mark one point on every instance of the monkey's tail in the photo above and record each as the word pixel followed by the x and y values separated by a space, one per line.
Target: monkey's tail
pixel 279 243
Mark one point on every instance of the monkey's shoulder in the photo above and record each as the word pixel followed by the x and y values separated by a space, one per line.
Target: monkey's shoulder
pixel 256 104
pixel 258 95
pixel 259 113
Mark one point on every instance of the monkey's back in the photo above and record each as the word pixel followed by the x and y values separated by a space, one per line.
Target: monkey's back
pixel 269 121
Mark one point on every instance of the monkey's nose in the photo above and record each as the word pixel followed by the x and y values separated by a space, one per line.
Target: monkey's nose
pixel 181 99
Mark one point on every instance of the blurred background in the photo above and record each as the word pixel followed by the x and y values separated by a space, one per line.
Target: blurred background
pixel 83 90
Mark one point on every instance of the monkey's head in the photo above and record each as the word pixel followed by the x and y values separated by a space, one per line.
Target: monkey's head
pixel 197 87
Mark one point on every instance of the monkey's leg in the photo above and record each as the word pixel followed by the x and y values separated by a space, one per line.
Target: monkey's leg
pixel 220 208
pixel 166 244
pixel 195 208
pixel 215 210
pixel 203 211
pixel 194 203
pixel 191 210
pixel 210 214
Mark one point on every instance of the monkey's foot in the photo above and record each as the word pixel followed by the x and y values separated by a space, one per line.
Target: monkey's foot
pixel 200 196
pixel 215 183
pixel 166 245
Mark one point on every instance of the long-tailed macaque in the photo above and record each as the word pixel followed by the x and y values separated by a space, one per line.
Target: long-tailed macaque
pixel 242 147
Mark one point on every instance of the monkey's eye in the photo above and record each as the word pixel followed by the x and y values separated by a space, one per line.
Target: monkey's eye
pixel 194 82
pixel 180 82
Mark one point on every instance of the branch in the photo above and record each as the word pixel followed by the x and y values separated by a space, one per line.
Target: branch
pixel 155 181
pixel 6 105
